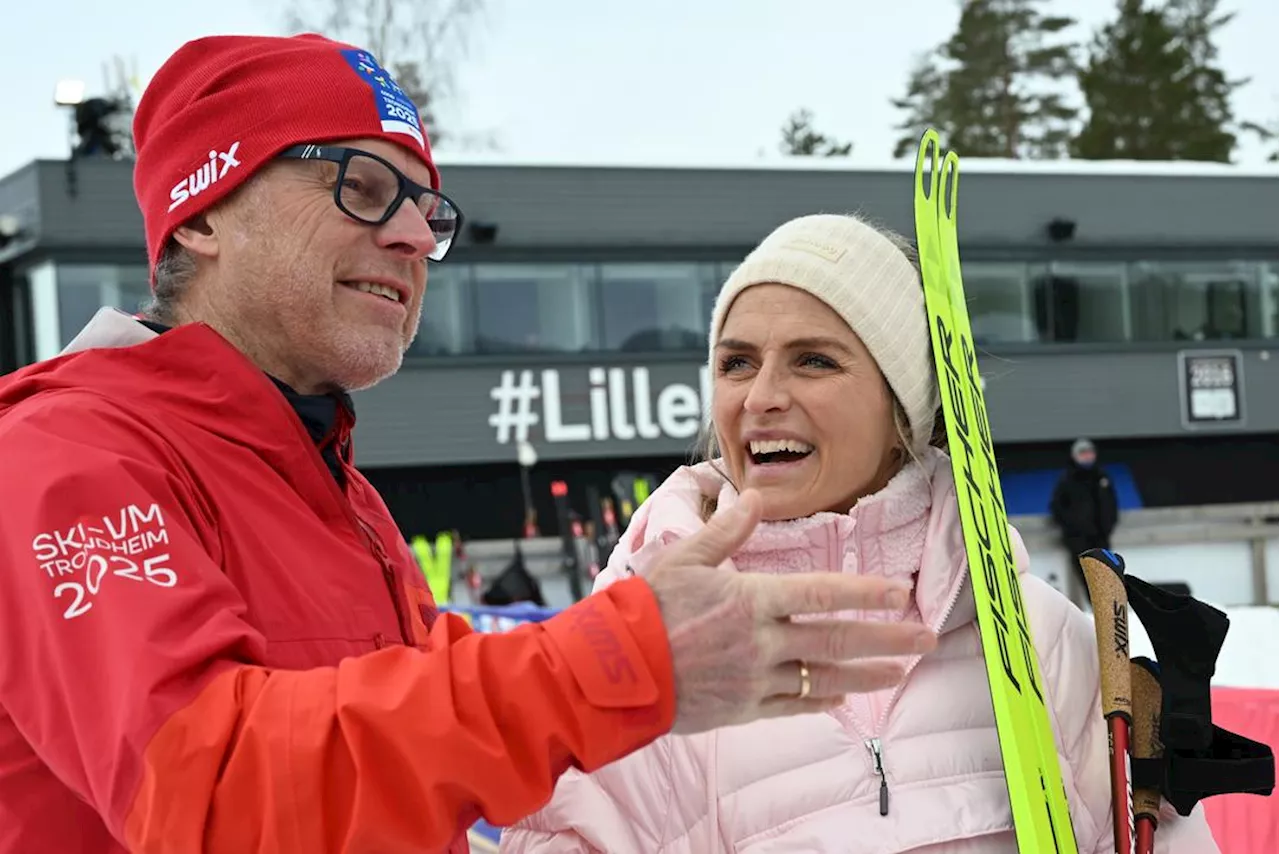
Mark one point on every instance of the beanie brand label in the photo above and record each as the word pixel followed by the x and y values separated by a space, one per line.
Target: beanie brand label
pixel 825 251
pixel 396 109
pixel 210 172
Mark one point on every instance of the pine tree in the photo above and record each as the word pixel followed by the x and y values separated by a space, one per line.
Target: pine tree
pixel 924 104
pixel 1153 89
pixel 1209 118
pixel 800 138
pixel 1266 133
pixel 1134 87
pixel 992 90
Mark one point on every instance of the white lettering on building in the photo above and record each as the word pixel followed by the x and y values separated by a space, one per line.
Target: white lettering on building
pixel 621 405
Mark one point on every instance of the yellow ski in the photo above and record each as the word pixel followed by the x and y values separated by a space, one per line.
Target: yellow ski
pixel 1036 793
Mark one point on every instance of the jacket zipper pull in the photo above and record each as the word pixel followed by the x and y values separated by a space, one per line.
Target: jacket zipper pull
pixel 873 744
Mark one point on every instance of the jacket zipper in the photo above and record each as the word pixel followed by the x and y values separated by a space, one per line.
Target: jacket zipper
pixel 375 545
pixel 336 436
pixel 872 739
pixel 877 756
pixel 388 575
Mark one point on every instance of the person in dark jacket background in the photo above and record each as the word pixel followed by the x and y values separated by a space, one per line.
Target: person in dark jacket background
pixel 1084 508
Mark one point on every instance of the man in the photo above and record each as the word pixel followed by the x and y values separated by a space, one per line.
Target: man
pixel 215 637
pixel 1084 508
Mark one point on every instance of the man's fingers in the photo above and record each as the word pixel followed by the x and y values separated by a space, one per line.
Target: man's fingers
pixel 777 707
pixel 832 681
pixel 842 640
pixel 780 596
pixel 722 535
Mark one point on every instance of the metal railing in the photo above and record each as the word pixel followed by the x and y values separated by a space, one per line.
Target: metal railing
pixel 1255 524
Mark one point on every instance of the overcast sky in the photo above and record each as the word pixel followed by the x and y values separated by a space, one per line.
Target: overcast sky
pixel 698 81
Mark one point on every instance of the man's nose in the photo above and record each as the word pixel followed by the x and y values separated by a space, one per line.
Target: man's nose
pixel 407 232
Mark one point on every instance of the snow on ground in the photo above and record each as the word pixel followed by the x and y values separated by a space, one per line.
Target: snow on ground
pixel 1250 656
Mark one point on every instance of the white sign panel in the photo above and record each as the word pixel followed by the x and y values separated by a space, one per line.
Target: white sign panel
pixel 1210 382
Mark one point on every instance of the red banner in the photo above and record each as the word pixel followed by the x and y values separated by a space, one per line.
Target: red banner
pixel 1247 824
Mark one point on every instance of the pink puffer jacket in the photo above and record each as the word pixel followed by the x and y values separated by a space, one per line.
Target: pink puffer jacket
pixel 811 783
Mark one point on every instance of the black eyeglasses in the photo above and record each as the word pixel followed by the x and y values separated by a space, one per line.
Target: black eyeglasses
pixel 370 190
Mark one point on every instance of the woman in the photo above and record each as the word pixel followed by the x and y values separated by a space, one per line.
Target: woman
pixel 824 399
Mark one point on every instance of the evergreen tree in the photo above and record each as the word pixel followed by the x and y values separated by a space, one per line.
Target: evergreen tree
pixel 1152 87
pixel 1265 133
pixel 924 104
pixel 799 137
pixel 994 88
pixel 1209 116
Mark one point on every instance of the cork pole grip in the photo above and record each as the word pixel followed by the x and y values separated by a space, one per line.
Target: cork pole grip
pixel 1104 574
pixel 1147 699
pixel 1111 625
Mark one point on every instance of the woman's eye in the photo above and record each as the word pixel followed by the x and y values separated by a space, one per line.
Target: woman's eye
pixel 731 363
pixel 814 360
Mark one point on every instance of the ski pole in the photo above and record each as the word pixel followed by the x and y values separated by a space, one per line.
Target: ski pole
pixel 1104 575
pixel 1147 700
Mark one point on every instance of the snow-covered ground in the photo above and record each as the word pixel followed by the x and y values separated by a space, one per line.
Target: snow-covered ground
pixel 1250 656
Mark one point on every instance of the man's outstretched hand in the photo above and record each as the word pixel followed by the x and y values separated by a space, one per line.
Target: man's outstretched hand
pixel 735 651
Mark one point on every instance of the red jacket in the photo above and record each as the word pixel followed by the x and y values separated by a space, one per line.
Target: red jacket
pixel 209 645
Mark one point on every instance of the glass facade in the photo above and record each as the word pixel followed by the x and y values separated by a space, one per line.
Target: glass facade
pixel 526 307
pixel 654 307
pixel 84 288
pixel 538 308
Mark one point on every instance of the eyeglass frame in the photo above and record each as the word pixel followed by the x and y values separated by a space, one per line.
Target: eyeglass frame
pixel 406 188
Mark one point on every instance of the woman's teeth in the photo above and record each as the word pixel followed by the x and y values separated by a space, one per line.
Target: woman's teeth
pixel 768 451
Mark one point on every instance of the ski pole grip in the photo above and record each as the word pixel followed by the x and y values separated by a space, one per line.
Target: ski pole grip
pixel 1104 575
pixel 1147 700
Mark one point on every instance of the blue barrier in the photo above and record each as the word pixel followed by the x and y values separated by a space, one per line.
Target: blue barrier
pixel 1028 493
pixel 483 836
pixel 500 618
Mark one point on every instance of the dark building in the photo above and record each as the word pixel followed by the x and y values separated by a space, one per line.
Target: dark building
pixel 1135 304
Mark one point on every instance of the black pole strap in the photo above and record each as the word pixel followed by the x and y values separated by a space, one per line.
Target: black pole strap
pixel 1233 764
pixel 1200 759
pixel 1187 636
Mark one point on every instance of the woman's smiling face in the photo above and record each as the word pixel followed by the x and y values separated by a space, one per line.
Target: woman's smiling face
pixel 801 410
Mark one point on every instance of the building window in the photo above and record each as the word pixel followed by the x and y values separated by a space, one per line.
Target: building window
pixel 1270 300
pixel 654 307
pixel 999 305
pixel 1081 302
pixel 1209 301
pixel 534 308
pixel 85 288
pixel 446 327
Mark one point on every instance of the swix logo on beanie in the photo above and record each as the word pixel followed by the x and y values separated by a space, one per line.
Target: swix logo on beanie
pixel 210 172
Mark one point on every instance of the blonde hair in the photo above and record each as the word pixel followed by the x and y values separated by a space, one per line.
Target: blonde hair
pixel 707 448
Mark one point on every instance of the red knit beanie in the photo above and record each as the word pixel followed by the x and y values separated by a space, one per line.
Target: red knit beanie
pixel 221 107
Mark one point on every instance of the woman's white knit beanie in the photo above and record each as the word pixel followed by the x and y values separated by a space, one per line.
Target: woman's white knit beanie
pixel 865 279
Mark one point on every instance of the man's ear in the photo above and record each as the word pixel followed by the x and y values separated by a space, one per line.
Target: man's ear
pixel 197 236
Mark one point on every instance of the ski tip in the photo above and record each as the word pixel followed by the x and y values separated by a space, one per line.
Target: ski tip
pixel 950 184
pixel 927 157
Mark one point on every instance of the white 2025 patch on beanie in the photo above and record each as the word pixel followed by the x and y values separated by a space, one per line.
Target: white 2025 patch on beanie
pixel 865 279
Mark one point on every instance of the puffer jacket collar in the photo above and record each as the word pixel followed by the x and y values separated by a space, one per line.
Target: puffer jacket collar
pixel 906 530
